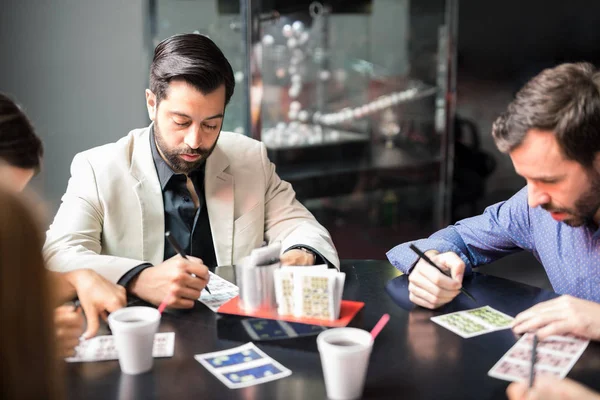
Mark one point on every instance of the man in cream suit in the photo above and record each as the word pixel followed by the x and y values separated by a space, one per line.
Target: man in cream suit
pixel 216 192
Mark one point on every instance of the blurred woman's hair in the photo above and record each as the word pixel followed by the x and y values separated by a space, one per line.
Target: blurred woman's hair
pixel 29 368
pixel 19 145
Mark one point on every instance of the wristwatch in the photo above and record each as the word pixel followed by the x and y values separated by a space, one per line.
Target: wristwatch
pixel 304 249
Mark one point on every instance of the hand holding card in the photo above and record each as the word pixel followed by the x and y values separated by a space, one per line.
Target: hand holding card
pixel 555 356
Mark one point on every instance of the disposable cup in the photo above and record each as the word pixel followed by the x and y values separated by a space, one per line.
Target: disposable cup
pixel 133 329
pixel 345 356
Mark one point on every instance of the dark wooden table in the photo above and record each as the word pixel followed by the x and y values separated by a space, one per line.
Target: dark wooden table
pixel 413 358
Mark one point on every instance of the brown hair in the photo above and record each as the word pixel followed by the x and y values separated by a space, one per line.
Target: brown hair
pixel 28 363
pixel 564 100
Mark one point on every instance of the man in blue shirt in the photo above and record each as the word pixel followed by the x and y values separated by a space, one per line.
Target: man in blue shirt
pixel 551 131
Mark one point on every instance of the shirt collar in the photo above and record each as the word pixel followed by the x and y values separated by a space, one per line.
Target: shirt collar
pixel 164 171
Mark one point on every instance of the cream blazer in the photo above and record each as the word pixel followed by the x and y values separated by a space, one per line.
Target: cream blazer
pixel 112 218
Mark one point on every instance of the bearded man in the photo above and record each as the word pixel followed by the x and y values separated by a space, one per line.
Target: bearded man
pixel 551 131
pixel 216 192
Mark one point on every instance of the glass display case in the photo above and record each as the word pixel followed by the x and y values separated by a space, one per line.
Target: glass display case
pixel 354 100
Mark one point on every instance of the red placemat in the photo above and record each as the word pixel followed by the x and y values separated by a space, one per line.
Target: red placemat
pixel 347 311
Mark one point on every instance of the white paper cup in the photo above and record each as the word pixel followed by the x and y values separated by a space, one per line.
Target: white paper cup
pixel 345 356
pixel 133 329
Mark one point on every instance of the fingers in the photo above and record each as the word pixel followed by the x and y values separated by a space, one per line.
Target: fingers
pixel 118 299
pixel 538 322
pixel 516 391
pixel 69 325
pixel 185 293
pixel 185 280
pixel 66 317
pixel 430 287
pixel 93 322
pixel 421 302
pixel 454 263
pixel 562 327
pixel 179 302
pixel 436 297
pixel 538 316
pixel 195 266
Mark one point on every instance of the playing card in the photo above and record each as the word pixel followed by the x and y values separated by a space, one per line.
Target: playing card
pixel 510 370
pixel 221 292
pixel 255 375
pixel 304 329
pixel 102 348
pixel 460 324
pixel 474 322
pixel 317 293
pixel 284 286
pixel 491 316
pixel 267 329
pixel 242 366
pixel 560 344
pixel 233 358
pixel 555 356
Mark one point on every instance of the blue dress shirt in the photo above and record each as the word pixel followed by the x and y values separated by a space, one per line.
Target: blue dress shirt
pixel 571 256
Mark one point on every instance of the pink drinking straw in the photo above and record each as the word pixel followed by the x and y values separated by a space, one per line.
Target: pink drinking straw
pixel 163 305
pixel 380 325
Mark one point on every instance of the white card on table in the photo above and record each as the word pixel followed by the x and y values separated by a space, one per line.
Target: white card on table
pixel 242 366
pixel 474 322
pixel 102 348
pixel 221 291
pixel 555 356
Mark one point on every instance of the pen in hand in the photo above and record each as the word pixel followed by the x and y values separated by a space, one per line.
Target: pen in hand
pixel 428 260
pixel 178 249
pixel 533 360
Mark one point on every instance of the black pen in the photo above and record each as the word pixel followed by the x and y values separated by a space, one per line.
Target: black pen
pixel 428 260
pixel 533 360
pixel 178 249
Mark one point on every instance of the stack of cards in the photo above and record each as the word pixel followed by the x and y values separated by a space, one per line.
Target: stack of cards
pixel 474 322
pixel 102 348
pixel 221 292
pixel 242 366
pixel 309 292
pixel 269 329
pixel 555 357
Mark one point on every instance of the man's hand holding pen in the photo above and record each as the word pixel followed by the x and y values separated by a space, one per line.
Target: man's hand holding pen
pixel 431 288
pixel 184 277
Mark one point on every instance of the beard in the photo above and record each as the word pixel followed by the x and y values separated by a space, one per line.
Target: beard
pixel 586 206
pixel 172 158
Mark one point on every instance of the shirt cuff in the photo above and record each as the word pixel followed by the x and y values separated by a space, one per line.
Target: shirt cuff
pixel 319 259
pixel 132 273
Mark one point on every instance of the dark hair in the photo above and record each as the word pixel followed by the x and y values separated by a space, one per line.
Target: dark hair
pixel 19 145
pixel 193 58
pixel 565 100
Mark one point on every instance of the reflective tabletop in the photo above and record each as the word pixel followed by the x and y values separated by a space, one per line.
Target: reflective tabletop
pixel 412 358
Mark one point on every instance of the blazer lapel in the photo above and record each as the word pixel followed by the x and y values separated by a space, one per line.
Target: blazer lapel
pixel 218 192
pixel 149 195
